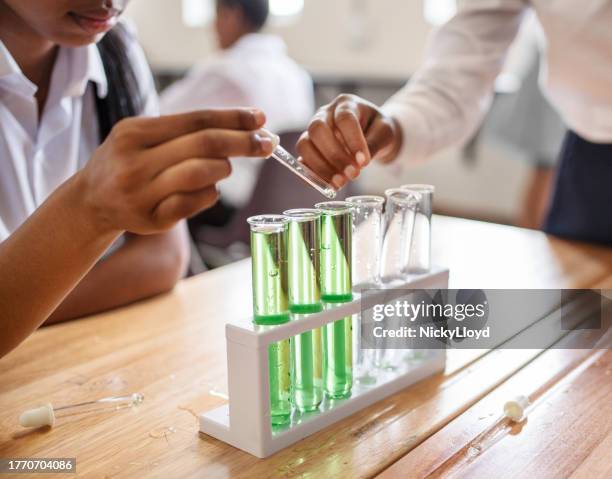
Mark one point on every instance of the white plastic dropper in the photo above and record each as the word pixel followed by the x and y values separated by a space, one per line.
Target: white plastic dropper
pixel 45 415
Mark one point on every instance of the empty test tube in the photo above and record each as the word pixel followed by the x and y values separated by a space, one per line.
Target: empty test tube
pixel 289 161
pixel 400 212
pixel 336 287
pixel 367 231
pixel 420 246
pixel 271 303
pixel 305 298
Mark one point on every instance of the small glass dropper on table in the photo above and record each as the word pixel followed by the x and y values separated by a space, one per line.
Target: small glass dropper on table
pixel 45 415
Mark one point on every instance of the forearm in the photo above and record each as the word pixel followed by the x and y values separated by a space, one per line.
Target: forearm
pixel 142 267
pixel 447 98
pixel 44 259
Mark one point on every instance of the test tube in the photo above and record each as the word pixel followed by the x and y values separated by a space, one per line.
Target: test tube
pixel 336 287
pixel 399 222
pixel 420 246
pixel 336 234
pixel 271 305
pixel 400 211
pixel 305 298
pixel 367 231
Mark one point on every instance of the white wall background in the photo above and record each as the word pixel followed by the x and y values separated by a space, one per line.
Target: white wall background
pixel 325 38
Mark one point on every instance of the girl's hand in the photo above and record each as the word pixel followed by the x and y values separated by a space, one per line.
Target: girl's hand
pixel 345 136
pixel 152 172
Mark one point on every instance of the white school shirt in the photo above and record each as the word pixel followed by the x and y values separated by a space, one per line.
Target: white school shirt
pixel 38 155
pixel 447 98
pixel 255 72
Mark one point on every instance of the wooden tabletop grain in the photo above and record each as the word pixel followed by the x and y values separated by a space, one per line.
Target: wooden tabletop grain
pixel 171 349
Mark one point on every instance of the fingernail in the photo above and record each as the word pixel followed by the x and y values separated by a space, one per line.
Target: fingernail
pixel 338 181
pixel 266 143
pixel 259 116
pixel 360 158
pixel 351 172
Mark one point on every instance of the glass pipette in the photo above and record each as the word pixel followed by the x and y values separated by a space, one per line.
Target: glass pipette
pixel 288 160
pixel 45 415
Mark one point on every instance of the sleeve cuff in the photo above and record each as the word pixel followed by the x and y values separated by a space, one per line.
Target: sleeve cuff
pixel 416 143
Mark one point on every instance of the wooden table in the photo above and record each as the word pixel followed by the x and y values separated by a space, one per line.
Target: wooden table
pixel 171 349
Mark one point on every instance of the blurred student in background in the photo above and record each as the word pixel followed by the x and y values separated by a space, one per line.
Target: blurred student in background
pixel 251 69
pixel 445 101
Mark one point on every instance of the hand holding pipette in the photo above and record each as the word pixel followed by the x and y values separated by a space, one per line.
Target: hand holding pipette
pixel 289 161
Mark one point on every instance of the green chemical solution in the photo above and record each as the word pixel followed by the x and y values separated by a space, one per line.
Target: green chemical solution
pixel 336 229
pixel 279 361
pixel 271 305
pixel 270 281
pixel 336 287
pixel 307 372
pixel 305 298
pixel 304 260
pixel 338 358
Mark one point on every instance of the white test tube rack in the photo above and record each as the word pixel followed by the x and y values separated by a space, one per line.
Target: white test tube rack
pixel 245 422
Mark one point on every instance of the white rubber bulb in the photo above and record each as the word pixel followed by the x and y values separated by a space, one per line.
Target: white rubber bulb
pixel 275 138
pixel 515 408
pixel 37 417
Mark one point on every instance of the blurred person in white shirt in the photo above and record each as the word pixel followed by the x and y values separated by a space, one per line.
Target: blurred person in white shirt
pixel 251 69
pixel 446 99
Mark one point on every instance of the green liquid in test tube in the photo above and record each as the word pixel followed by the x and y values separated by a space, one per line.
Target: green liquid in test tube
pixel 271 304
pixel 336 287
pixel 305 298
pixel 338 357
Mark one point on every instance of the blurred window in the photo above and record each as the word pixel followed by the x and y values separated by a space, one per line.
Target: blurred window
pixel 198 13
pixel 286 8
pixel 438 12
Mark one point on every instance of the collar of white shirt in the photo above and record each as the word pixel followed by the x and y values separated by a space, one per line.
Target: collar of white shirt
pixel 260 42
pixel 84 65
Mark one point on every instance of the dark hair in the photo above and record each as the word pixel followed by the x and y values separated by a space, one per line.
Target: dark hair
pixel 255 11
pixel 124 98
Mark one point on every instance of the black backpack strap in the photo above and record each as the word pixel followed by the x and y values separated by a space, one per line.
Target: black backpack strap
pixel 124 98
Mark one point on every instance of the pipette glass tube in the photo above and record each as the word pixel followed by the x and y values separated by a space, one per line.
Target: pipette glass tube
pixel 271 304
pixel 399 222
pixel 288 160
pixel 305 298
pixel 420 247
pixel 336 287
